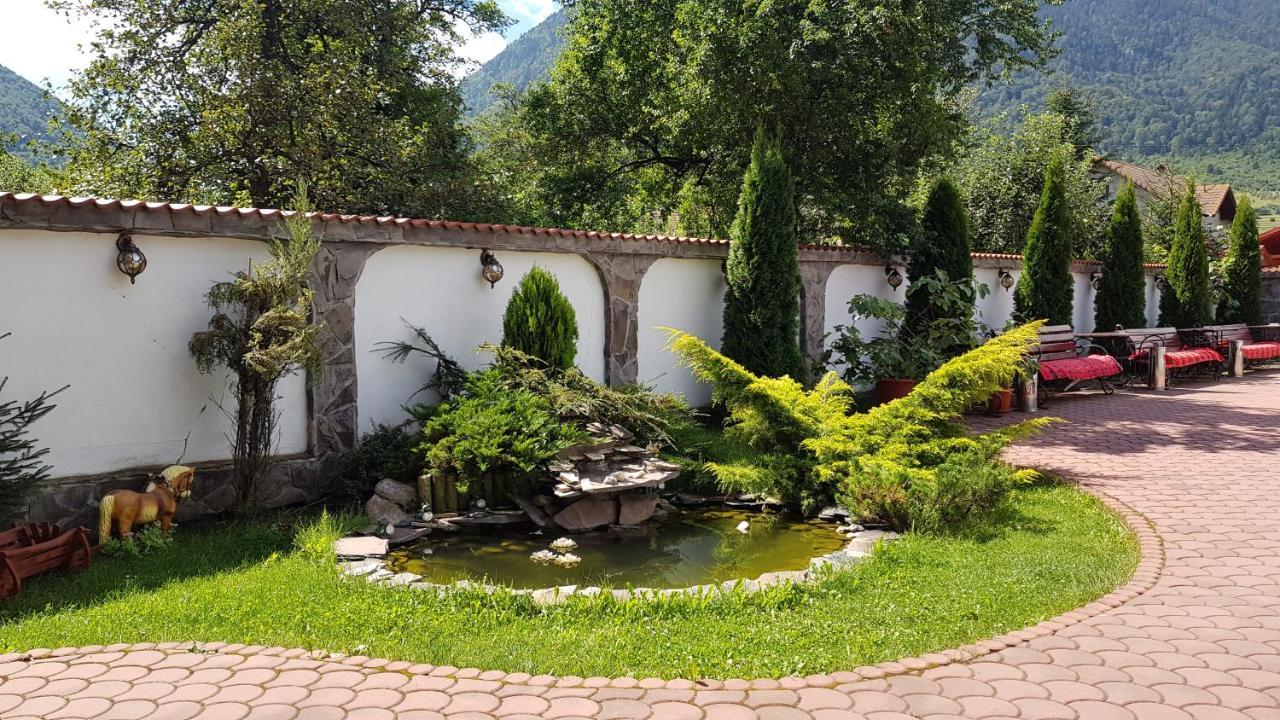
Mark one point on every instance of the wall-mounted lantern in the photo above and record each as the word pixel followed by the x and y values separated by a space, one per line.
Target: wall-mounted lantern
pixel 490 268
pixel 129 258
pixel 1095 281
pixel 893 277
pixel 1006 280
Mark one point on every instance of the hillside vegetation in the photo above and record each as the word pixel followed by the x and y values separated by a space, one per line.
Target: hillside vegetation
pixel 1190 83
pixel 24 110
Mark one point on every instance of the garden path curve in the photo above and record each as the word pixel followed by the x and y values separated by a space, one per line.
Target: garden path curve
pixel 1196 634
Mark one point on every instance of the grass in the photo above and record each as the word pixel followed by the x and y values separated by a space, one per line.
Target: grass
pixel 1051 549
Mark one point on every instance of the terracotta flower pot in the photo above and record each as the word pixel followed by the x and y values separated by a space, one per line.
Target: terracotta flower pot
pixel 1000 403
pixel 890 389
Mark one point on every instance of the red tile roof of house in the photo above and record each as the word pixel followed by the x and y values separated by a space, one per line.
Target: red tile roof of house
pixel 93 204
pixel 1212 198
pixel 1270 241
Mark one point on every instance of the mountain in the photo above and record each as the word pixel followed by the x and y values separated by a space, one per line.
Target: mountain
pixel 525 60
pixel 1192 83
pixel 24 109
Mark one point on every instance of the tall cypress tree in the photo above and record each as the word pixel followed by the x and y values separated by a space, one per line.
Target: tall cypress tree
pixel 1187 280
pixel 942 245
pixel 762 303
pixel 540 320
pixel 1045 289
pixel 1242 271
pixel 1122 293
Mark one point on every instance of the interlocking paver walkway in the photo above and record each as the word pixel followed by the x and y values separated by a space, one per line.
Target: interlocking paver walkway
pixel 1196 635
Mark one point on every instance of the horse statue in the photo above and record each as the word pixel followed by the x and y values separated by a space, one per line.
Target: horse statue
pixel 159 501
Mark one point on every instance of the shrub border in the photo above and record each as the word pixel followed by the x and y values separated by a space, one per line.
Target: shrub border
pixel 1146 575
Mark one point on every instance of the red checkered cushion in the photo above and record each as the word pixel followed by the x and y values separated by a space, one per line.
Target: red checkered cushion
pixel 1191 356
pixel 1089 367
pixel 1262 351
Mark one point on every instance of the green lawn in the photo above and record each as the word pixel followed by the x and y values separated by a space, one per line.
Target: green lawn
pixel 1051 550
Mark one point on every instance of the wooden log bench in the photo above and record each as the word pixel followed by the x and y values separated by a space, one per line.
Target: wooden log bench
pixel 68 550
pixel 1162 354
pixel 1064 362
pixel 1247 345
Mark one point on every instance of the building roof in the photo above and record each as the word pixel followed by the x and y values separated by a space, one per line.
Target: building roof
pixel 70 213
pixel 1213 198
pixel 1270 241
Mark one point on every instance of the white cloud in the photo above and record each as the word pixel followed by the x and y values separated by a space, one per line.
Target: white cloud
pixel 38 43
pixel 481 48
pixel 533 11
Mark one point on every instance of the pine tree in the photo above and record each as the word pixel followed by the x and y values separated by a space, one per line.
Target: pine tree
pixel 1241 272
pixel 21 459
pixel 762 302
pixel 1045 289
pixel 1187 280
pixel 540 320
pixel 942 245
pixel 1121 297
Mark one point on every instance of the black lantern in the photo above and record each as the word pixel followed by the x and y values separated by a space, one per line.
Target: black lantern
pixel 490 268
pixel 893 277
pixel 1006 280
pixel 1095 280
pixel 129 258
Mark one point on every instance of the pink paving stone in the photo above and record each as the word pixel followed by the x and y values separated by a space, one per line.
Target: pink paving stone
pixel 181 711
pixel 677 711
pixel 729 711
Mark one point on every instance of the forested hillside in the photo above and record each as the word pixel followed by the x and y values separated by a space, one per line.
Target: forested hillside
pixel 1189 82
pixel 24 110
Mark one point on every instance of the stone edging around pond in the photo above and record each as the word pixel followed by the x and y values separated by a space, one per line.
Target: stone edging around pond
pixel 861 544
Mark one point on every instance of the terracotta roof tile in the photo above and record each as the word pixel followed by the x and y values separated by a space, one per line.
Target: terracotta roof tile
pixel 1158 180
pixel 108 204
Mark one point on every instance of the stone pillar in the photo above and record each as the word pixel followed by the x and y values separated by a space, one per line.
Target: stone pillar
pixel 1158 374
pixel 332 398
pixel 813 309
pixel 620 277
pixel 1237 358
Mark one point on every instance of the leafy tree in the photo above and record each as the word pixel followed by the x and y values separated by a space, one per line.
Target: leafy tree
pixel 1241 300
pixel 1000 176
pixel 232 100
pixel 19 175
pixel 262 331
pixel 649 109
pixel 540 321
pixel 1184 302
pixel 762 302
pixel 1045 288
pixel 1121 299
pixel 941 250
pixel 21 459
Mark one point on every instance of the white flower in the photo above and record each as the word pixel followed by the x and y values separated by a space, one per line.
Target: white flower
pixel 567 560
pixel 563 545
pixel 544 557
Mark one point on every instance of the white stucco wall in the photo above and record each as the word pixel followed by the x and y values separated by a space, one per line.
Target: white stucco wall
pixel 440 290
pixel 686 295
pixel 1082 302
pixel 135 392
pixel 994 310
pixel 849 280
pixel 1153 302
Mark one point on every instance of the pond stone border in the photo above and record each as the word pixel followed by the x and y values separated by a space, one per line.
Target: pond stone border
pixel 860 546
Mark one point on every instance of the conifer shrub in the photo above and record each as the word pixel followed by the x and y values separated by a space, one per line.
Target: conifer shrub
pixel 1241 300
pixel 1185 299
pixel 762 302
pixel 941 250
pixel 1121 299
pixel 1045 289
pixel 911 463
pixel 22 464
pixel 540 321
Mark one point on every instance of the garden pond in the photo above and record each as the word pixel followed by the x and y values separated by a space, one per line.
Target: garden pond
pixel 685 548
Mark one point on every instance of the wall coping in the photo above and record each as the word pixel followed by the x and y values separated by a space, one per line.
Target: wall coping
pixel 91 214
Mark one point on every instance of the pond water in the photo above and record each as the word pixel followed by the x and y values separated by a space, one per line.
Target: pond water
pixel 686 548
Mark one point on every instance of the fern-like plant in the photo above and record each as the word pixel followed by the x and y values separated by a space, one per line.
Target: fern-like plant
pixel 904 462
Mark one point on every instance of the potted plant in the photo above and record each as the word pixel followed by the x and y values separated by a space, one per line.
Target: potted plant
pixel 902 353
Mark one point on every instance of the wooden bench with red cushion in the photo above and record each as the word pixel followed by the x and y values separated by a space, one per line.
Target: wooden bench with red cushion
pixel 1186 351
pixel 1061 358
pixel 1261 342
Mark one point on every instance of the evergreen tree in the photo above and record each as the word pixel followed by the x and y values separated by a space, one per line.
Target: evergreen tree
pixel 1045 289
pixel 941 246
pixel 1241 300
pixel 762 303
pixel 1187 280
pixel 1121 297
pixel 540 320
pixel 21 458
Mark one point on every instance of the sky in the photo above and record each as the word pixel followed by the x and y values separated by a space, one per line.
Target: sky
pixel 41 45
